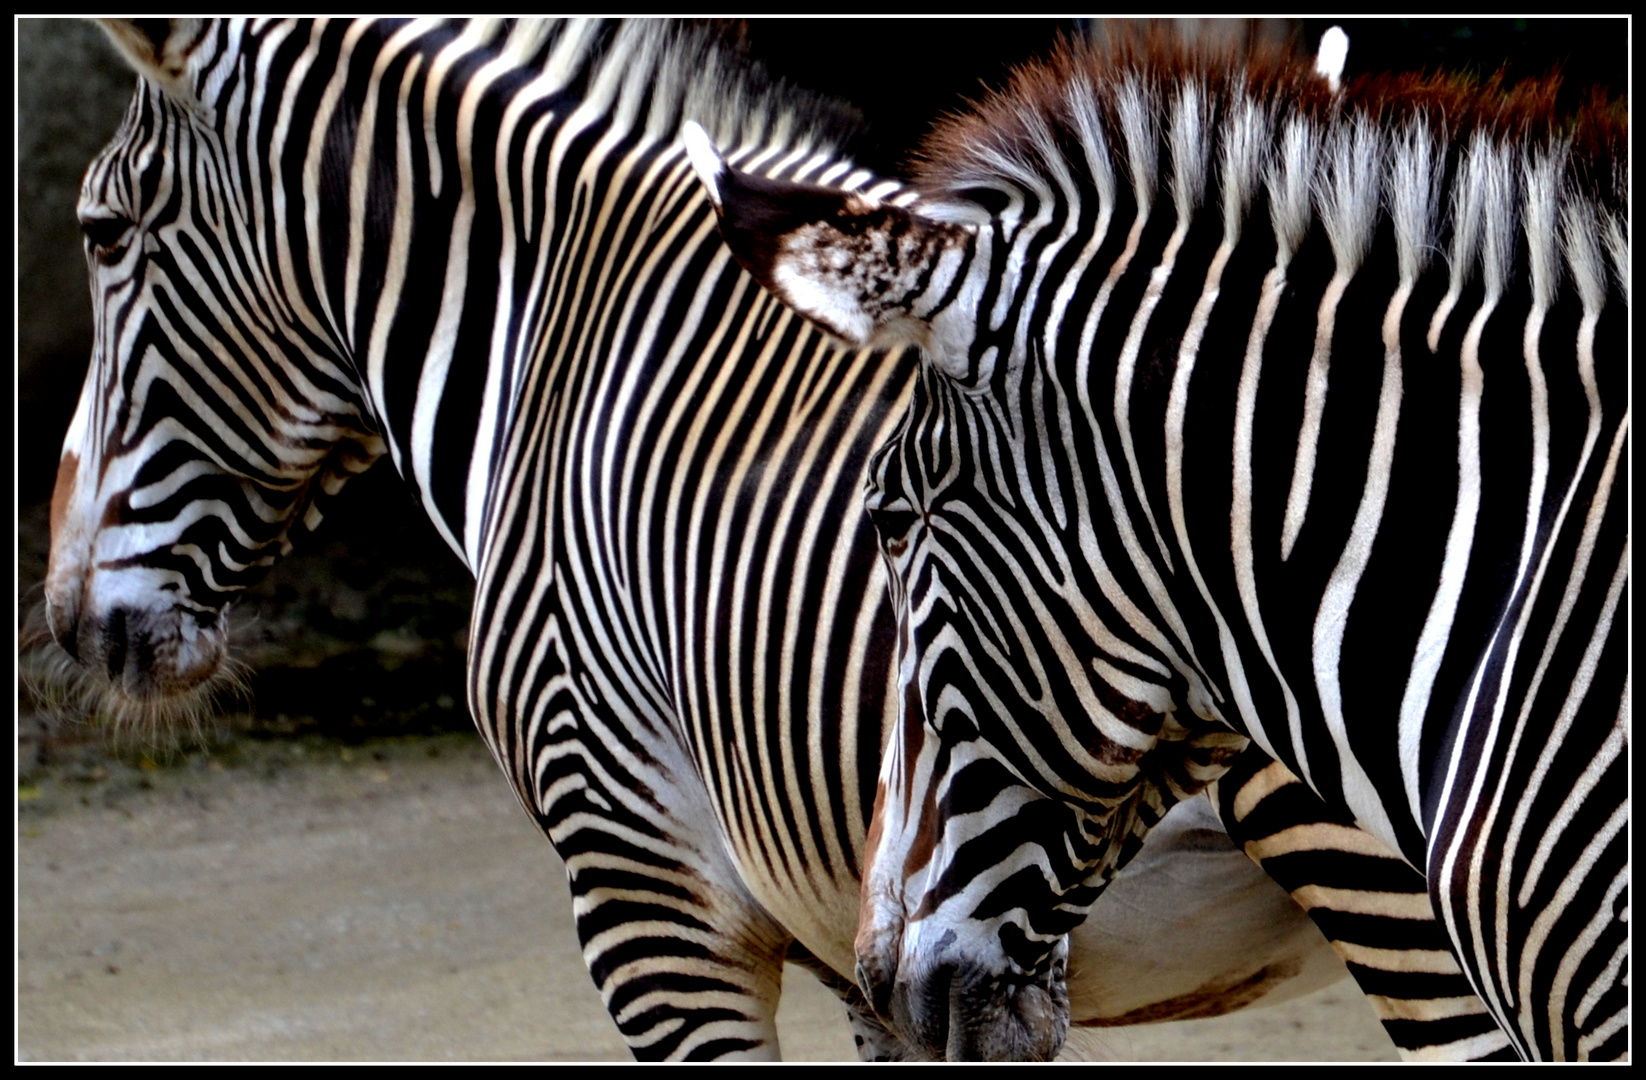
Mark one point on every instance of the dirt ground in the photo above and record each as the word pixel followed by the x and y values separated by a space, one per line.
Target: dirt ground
pixel 313 900
pixel 344 875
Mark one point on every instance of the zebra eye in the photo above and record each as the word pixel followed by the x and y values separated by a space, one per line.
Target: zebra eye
pixel 894 526
pixel 106 234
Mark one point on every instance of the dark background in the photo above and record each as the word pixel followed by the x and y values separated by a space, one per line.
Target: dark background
pixel 364 634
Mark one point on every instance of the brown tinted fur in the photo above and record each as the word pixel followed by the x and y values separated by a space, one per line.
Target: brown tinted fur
pixel 1004 122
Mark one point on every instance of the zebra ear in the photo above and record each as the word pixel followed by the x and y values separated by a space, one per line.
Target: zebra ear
pixel 158 49
pixel 870 272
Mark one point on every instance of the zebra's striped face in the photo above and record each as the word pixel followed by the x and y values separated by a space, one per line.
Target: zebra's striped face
pixel 1027 767
pixel 207 426
pixel 1027 764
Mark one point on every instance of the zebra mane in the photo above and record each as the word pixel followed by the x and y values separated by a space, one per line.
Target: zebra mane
pixel 658 74
pixel 649 75
pixel 1486 174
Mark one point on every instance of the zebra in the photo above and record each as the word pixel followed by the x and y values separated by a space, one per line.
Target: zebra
pixel 477 249
pixel 1254 403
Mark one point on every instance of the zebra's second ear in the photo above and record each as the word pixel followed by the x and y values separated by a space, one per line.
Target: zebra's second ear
pixel 159 49
pixel 869 272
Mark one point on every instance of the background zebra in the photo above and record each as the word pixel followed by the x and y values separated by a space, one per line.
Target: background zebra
pixel 222 228
pixel 1108 259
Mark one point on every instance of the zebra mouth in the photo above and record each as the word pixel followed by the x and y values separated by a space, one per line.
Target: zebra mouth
pixel 960 1010
pixel 166 655
pixel 145 654
pixel 153 656
pixel 145 674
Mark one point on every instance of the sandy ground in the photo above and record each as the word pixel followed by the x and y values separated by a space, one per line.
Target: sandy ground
pixel 387 901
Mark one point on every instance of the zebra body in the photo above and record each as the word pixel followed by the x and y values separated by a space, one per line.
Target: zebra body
pixel 478 249
pixel 1251 404
pixel 480 253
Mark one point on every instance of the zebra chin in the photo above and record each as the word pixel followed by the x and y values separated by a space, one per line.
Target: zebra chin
pixel 152 676
pixel 948 1004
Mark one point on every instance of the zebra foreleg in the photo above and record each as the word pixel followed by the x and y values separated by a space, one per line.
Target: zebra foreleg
pixel 875 1041
pixel 688 967
pixel 688 963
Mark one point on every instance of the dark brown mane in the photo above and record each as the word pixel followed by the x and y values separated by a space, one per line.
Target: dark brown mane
pixel 1015 121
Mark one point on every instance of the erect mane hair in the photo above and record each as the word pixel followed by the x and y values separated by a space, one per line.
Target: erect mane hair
pixel 649 76
pixel 1160 122
pixel 660 73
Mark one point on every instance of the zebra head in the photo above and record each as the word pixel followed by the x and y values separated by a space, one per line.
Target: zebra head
pixel 216 412
pixel 985 848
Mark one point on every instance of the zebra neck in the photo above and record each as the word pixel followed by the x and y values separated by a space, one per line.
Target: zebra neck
pixel 1361 277
pixel 465 191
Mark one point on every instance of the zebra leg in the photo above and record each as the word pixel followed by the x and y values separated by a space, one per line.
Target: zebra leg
pixel 875 1041
pixel 1528 860
pixel 1371 905
pixel 688 963
pixel 680 982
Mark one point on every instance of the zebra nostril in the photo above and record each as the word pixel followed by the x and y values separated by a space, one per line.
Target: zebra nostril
pixel 205 619
pixel 115 635
pixel 877 989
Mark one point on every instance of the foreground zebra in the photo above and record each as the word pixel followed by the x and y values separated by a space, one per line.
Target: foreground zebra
pixel 1248 403
pixel 479 250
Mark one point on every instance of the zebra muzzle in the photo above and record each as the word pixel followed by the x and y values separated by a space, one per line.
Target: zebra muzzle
pixel 964 1010
pixel 948 1002
pixel 136 652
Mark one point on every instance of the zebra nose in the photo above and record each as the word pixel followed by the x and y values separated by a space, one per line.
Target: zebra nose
pixel 115 644
pixel 875 983
pixel 960 1010
pixel 143 653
